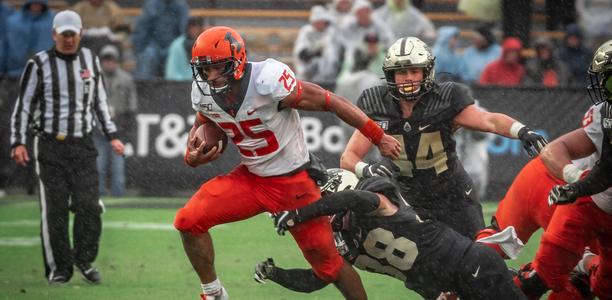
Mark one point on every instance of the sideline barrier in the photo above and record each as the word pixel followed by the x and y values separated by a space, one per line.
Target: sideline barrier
pixel 158 135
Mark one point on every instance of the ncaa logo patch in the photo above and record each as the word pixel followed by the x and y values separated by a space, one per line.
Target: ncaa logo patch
pixel 206 106
pixel 383 124
pixel 606 122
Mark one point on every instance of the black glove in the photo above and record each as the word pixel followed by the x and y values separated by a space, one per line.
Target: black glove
pixel 284 220
pixel 562 194
pixel 532 141
pixel 377 169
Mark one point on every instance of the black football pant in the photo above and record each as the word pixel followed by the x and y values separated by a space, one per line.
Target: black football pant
pixel 456 206
pixel 483 275
pixel 68 179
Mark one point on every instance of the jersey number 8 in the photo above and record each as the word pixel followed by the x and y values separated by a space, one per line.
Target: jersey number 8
pixel 399 252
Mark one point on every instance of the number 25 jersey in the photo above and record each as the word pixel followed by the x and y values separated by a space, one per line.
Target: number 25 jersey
pixel 270 140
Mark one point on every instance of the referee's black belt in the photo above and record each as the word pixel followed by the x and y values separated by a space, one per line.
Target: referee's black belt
pixel 63 138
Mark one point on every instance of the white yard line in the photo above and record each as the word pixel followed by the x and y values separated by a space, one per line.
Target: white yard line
pixel 20 241
pixel 105 224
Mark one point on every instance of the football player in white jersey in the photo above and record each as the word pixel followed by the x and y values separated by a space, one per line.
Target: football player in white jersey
pixel 255 104
pixel 589 218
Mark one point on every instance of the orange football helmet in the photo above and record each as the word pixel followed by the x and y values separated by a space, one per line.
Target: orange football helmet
pixel 215 46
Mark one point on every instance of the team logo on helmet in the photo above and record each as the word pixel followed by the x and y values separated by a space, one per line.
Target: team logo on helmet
pixel 409 52
pixel 600 74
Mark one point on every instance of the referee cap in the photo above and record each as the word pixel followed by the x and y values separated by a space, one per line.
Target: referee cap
pixel 67 20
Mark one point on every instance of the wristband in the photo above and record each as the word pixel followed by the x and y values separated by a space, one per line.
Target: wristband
pixel 359 168
pixel 327 100
pixel 515 128
pixel 372 131
pixel 571 173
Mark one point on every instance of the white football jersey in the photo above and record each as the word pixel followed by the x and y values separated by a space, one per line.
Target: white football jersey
pixel 270 141
pixel 591 123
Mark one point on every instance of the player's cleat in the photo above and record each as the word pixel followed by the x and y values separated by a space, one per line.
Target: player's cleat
pixel 588 262
pixel 89 273
pixel 58 279
pixel 582 283
pixel 447 296
pixel 530 282
pixel 219 295
pixel 264 270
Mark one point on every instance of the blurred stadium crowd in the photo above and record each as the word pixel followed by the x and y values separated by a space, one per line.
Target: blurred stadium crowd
pixel 339 44
pixel 501 42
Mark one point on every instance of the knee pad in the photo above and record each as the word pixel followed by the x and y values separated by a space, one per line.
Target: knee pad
pixel 326 267
pixel 183 222
pixel 530 282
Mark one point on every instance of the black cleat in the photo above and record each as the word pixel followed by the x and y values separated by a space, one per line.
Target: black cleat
pixel 89 274
pixel 582 283
pixel 59 279
pixel 264 270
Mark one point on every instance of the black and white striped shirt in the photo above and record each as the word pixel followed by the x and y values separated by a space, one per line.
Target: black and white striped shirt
pixel 59 95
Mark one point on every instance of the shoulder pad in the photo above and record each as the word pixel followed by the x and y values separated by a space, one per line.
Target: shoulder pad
pixel 372 100
pixel 275 79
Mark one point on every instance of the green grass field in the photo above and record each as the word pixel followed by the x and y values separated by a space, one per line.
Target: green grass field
pixel 141 256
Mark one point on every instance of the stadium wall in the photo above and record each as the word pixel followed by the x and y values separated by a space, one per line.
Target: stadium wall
pixel 156 141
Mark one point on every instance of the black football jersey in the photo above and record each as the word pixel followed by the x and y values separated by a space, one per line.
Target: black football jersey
pixel 428 160
pixel 424 254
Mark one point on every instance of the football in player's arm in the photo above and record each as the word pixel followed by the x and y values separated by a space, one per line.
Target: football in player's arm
pixel 426 255
pixel 255 104
pixel 312 97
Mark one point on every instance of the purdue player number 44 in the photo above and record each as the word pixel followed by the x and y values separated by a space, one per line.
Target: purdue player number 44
pixel 377 231
pixel 423 116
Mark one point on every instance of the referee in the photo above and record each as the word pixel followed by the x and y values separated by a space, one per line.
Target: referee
pixel 61 91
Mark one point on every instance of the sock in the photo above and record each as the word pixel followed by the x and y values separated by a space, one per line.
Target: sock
pixel 212 288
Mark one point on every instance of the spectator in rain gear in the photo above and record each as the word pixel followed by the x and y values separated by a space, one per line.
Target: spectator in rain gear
pixel 448 61
pixel 475 58
pixel 508 70
pixel 160 22
pixel 574 54
pixel 27 32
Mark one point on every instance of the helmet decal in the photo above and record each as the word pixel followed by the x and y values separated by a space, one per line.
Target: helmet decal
pixel 409 52
pixel 600 74
pixel 235 46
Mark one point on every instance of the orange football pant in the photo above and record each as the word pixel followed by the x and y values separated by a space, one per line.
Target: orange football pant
pixel 525 205
pixel 571 228
pixel 241 194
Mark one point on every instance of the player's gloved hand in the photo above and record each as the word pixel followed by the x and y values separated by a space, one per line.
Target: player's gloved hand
pixel 284 220
pixel 376 169
pixel 562 194
pixel 532 141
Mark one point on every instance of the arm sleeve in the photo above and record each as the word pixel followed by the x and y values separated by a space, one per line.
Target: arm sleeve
pixel 26 103
pixel 360 202
pixel 599 179
pixel 101 105
pixel 299 280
